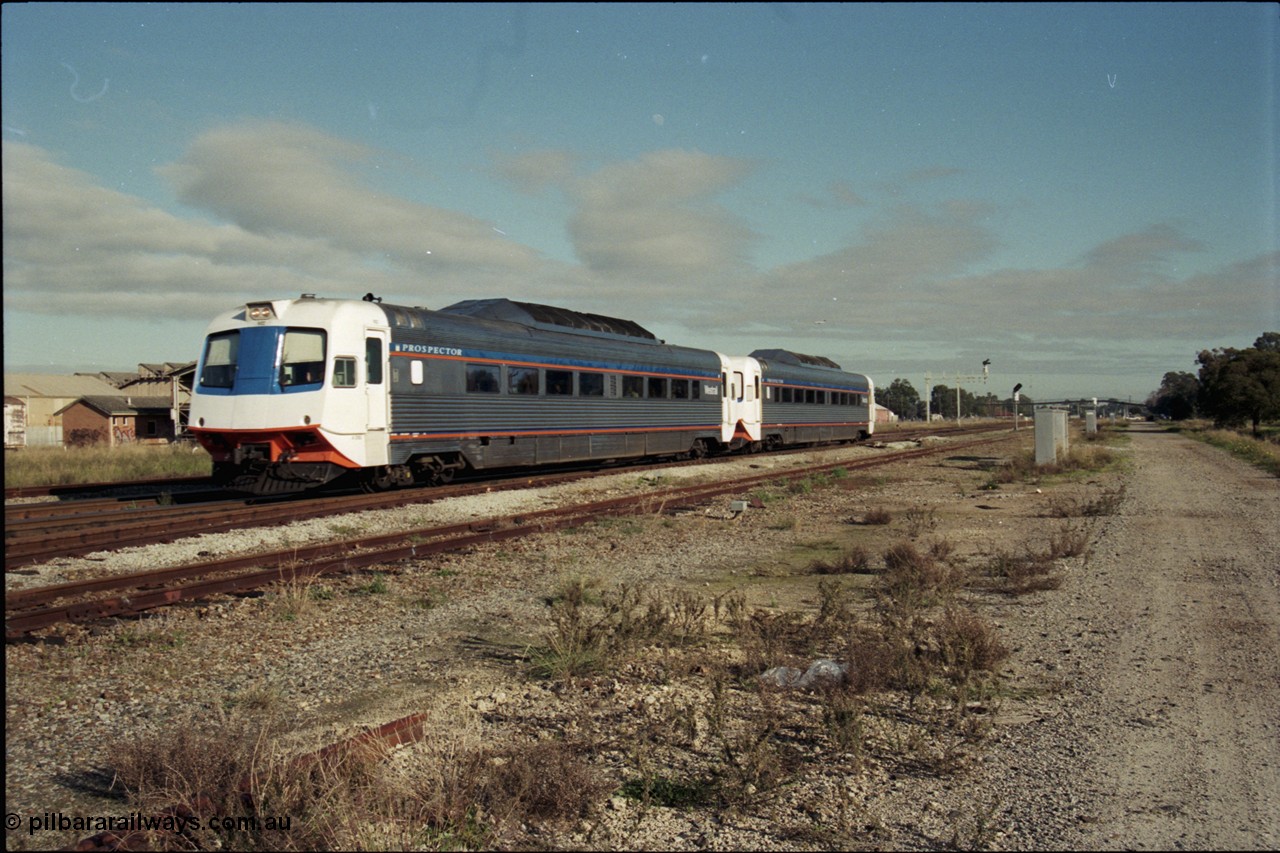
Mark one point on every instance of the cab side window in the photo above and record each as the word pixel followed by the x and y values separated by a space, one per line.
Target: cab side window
pixel 344 372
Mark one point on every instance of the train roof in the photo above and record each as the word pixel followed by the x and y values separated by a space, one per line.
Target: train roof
pixel 799 359
pixel 549 317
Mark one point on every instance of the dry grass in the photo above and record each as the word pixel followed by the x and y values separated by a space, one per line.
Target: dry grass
pixel 39 466
pixel 593 632
pixel 1262 453
pixel 1066 506
pixel 461 793
pixel 1087 457
pixel 1019 574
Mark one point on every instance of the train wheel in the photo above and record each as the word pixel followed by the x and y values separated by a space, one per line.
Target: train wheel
pixel 386 478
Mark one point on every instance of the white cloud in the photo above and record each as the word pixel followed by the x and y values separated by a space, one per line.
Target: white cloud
pixel 71 246
pixel 271 178
pixel 651 223
pixel 288 213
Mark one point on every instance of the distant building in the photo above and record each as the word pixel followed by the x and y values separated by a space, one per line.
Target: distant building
pixel 884 415
pixel 15 422
pixel 42 398
pixel 43 395
pixel 116 421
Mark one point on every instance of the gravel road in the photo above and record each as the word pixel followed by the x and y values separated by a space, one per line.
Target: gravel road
pixel 1180 705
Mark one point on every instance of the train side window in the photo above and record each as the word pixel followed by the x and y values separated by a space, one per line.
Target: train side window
pixel 695 390
pixel 415 372
pixel 560 383
pixel 373 360
pixel 591 384
pixel 522 380
pixel 657 388
pixel 633 386
pixel 344 372
pixel 680 389
pixel 482 378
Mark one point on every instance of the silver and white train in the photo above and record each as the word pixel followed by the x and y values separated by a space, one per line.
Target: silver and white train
pixel 292 394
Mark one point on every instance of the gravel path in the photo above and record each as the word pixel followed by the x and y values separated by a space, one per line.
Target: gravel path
pixel 1184 750
pixel 1166 732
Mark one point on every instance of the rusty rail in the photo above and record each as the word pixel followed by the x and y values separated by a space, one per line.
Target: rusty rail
pixel 30 610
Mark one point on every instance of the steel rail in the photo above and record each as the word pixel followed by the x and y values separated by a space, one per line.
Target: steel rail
pixel 347 556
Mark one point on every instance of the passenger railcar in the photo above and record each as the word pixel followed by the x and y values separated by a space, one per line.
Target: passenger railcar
pixel 809 400
pixel 292 394
pixel 295 393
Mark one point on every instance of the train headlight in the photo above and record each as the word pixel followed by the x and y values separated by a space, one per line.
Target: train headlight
pixel 260 311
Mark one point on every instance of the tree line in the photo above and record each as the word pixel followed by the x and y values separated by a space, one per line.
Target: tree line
pixel 1233 387
pixel 901 398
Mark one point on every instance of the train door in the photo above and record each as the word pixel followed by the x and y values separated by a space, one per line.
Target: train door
pixel 742 413
pixel 377 396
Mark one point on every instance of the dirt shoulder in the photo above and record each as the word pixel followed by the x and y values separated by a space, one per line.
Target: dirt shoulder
pixel 1183 695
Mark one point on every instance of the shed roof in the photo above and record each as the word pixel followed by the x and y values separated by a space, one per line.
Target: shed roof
pixel 116 405
pixel 49 385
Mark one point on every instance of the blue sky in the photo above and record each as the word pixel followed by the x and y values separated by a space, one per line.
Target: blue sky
pixel 1084 194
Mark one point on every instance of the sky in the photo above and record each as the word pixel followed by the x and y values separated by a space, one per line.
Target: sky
pixel 1084 194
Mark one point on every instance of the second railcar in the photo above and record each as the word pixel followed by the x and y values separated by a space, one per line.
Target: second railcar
pixel 810 400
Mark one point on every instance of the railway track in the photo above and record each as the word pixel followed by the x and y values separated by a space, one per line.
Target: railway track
pixel 40 532
pixel 30 610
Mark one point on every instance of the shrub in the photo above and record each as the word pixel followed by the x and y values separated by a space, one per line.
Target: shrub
pixel 913 580
pixel 586 637
pixel 1018 575
pixel 877 516
pixel 967 644
pixel 1069 541
pixel 854 561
